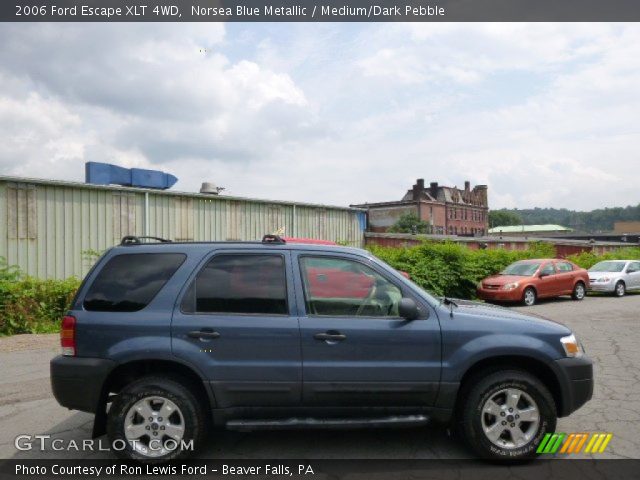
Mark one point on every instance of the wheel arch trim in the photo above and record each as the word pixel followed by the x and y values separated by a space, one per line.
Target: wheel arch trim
pixel 452 393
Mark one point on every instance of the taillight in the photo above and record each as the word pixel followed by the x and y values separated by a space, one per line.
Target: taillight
pixel 68 336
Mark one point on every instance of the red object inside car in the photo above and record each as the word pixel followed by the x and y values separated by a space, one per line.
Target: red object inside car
pixel 308 240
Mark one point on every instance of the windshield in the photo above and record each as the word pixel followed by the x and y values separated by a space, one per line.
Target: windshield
pixel 521 268
pixel 429 296
pixel 607 267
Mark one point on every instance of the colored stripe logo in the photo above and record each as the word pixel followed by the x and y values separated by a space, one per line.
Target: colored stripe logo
pixel 553 443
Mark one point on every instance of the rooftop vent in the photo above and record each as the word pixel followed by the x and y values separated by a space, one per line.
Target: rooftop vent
pixel 210 188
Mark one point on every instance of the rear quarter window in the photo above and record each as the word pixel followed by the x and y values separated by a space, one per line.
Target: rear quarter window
pixel 564 267
pixel 128 282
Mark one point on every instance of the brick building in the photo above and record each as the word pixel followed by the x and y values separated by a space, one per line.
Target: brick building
pixel 448 210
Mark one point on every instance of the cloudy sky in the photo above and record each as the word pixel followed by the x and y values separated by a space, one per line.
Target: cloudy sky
pixel 545 114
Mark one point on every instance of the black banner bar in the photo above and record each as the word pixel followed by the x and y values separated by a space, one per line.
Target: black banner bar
pixel 319 10
pixel 369 469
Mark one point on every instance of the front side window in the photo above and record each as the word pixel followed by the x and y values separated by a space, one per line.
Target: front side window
pixel 548 269
pixel 128 283
pixel 239 284
pixel 346 288
pixel 633 267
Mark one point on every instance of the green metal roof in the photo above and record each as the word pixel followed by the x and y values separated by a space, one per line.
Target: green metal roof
pixel 529 229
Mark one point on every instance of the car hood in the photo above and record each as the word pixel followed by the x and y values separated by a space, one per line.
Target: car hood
pixel 482 311
pixel 502 279
pixel 604 274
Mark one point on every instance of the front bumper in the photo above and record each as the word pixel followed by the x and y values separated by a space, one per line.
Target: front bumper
pixel 576 383
pixel 498 295
pixel 602 287
pixel 77 382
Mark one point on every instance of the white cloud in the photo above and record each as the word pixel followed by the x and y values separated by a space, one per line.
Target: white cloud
pixel 136 96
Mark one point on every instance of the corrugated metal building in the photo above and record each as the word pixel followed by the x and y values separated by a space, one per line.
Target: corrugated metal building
pixel 50 225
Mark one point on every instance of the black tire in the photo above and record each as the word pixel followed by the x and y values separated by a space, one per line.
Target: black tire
pixel 529 297
pixel 471 417
pixel 620 290
pixel 193 417
pixel 579 291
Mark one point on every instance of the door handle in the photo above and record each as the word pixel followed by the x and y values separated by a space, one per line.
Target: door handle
pixel 203 334
pixel 332 337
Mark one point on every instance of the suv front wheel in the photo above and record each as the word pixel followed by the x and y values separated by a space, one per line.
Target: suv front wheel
pixel 155 419
pixel 506 414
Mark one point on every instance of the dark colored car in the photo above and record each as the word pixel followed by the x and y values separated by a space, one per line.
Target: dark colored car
pixel 164 341
pixel 528 280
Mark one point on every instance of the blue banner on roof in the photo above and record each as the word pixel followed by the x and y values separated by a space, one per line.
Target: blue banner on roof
pixel 107 174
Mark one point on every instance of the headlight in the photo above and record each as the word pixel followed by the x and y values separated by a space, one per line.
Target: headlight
pixel 479 285
pixel 510 286
pixel 605 279
pixel 571 346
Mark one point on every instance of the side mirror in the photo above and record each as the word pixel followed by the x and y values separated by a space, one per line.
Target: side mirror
pixel 543 274
pixel 408 309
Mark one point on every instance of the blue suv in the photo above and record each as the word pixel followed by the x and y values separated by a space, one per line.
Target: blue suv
pixel 165 341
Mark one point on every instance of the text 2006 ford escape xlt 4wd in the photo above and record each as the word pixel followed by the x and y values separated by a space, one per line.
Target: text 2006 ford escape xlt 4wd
pixel 166 340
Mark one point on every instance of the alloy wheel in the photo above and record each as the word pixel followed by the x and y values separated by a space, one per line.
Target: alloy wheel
pixel 510 418
pixel 529 297
pixel 154 426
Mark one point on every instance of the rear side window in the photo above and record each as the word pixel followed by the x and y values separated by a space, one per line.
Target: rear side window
pixel 127 283
pixel 239 284
pixel 564 267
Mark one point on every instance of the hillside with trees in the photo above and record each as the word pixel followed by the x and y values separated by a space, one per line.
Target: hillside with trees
pixel 600 220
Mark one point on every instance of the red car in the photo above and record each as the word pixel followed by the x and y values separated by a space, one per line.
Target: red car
pixel 527 280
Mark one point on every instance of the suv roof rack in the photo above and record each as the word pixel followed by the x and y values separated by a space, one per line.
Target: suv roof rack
pixel 275 239
pixel 133 240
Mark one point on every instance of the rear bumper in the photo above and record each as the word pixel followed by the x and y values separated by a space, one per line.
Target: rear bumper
pixel 77 382
pixel 576 383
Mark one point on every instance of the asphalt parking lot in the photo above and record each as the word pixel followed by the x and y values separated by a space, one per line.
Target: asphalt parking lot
pixel 608 327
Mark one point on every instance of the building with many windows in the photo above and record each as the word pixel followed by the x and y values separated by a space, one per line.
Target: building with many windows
pixel 447 210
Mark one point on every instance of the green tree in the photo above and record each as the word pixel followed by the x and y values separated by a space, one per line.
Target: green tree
pixel 599 220
pixel 410 223
pixel 499 218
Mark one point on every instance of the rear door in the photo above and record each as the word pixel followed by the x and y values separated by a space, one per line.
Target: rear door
pixel 237 321
pixel 356 349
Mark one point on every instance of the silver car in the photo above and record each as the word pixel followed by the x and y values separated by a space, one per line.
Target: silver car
pixel 615 276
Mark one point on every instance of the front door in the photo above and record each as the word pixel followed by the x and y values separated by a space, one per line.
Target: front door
pixel 566 276
pixel 548 284
pixel 356 349
pixel 237 322
pixel 633 275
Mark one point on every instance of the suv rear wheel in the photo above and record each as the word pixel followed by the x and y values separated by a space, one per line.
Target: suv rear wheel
pixel 506 414
pixel 153 417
